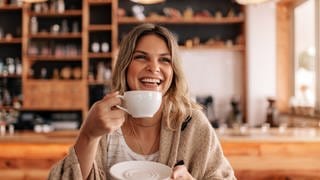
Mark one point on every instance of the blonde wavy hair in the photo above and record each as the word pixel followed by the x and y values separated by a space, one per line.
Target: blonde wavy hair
pixel 177 104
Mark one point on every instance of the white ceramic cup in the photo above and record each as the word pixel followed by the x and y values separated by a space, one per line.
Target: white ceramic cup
pixel 141 104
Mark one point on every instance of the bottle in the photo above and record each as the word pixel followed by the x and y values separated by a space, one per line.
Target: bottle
pixel 18 65
pixel 60 6
pixel 271 113
pixel 1 66
pixel 7 100
pixel 210 112
pixel 234 118
pixel 1 98
pixel 33 25
pixel 64 26
pixel 11 65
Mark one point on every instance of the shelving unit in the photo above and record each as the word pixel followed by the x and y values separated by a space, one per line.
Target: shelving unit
pixel 97 22
pixel 101 32
pixel 223 21
pixel 195 20
pixel 53 72
pixel 10 52
pixel 212 25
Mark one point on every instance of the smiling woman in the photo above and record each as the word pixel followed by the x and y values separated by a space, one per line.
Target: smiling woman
pixel 178 136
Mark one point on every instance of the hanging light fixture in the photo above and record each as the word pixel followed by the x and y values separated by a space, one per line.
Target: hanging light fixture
pixel 147 1
pixel 247 2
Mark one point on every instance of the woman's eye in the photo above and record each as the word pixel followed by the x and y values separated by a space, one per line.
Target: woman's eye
pixel 167 60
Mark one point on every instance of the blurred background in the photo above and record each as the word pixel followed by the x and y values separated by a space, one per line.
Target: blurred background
pixel 253 65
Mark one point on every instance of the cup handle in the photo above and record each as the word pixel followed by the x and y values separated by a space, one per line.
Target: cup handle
pixel 120 107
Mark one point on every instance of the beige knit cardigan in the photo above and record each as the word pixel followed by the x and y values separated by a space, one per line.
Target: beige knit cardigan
pixel 197 145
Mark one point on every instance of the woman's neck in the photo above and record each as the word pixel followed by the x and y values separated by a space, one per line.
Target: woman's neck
pixel 146 126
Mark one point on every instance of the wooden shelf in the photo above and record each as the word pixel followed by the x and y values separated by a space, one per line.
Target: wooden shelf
pixel 56 36
pixel 67 13
pixel 231 48
pixel 10 76
pixel 10 8
pixel 40 108
pixel 196 20
pixel 94 83
pixel 8 108
pixel 54 81
pixel 10 41
pixel 100 55
pixel 54 58
pixel 99 28
pixel 99 2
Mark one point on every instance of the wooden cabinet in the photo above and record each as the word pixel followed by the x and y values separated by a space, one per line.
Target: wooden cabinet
pixel 54 95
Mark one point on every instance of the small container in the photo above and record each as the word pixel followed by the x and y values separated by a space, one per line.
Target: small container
pixel 37 128
pixel 265 127
pixel 105 47
pixel 282 128
pixel 95 47
pixel 75 27
pixel 2 129
pixel 34 25
pixel 11 129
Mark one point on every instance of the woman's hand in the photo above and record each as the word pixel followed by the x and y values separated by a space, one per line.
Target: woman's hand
pixel 181 173
pixel 104 117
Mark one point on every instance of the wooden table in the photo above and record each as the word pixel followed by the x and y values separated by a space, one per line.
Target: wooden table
pixel 254 156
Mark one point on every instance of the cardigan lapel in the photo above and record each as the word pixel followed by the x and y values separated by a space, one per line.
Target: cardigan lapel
pixel 169 144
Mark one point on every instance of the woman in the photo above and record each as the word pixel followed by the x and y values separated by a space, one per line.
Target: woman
pixel 179 132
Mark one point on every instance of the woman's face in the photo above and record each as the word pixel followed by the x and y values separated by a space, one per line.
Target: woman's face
pixel 151 65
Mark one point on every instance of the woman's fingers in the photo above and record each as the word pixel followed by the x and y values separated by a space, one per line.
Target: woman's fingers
pixel 110 101
pixel 181 172
pixel 103 118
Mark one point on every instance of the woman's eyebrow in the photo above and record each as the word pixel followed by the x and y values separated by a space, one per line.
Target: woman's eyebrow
pixel 143 52
pixel 139 51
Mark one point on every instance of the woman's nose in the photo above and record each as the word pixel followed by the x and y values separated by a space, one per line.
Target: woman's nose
pixel 154 65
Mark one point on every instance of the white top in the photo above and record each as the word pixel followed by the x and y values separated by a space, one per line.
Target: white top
pixel 119 151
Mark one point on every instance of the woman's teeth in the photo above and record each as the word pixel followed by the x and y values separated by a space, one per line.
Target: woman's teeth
pixel 150 80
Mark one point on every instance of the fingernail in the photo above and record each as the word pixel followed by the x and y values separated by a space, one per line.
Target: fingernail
pixel 181 162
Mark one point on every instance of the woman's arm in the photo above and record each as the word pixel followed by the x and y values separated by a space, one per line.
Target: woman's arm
pixel 86 149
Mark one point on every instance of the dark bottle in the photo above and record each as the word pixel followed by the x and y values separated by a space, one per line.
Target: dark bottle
pixel 271 113
pixel 210 112
pixel 7 100
pixel 235 115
